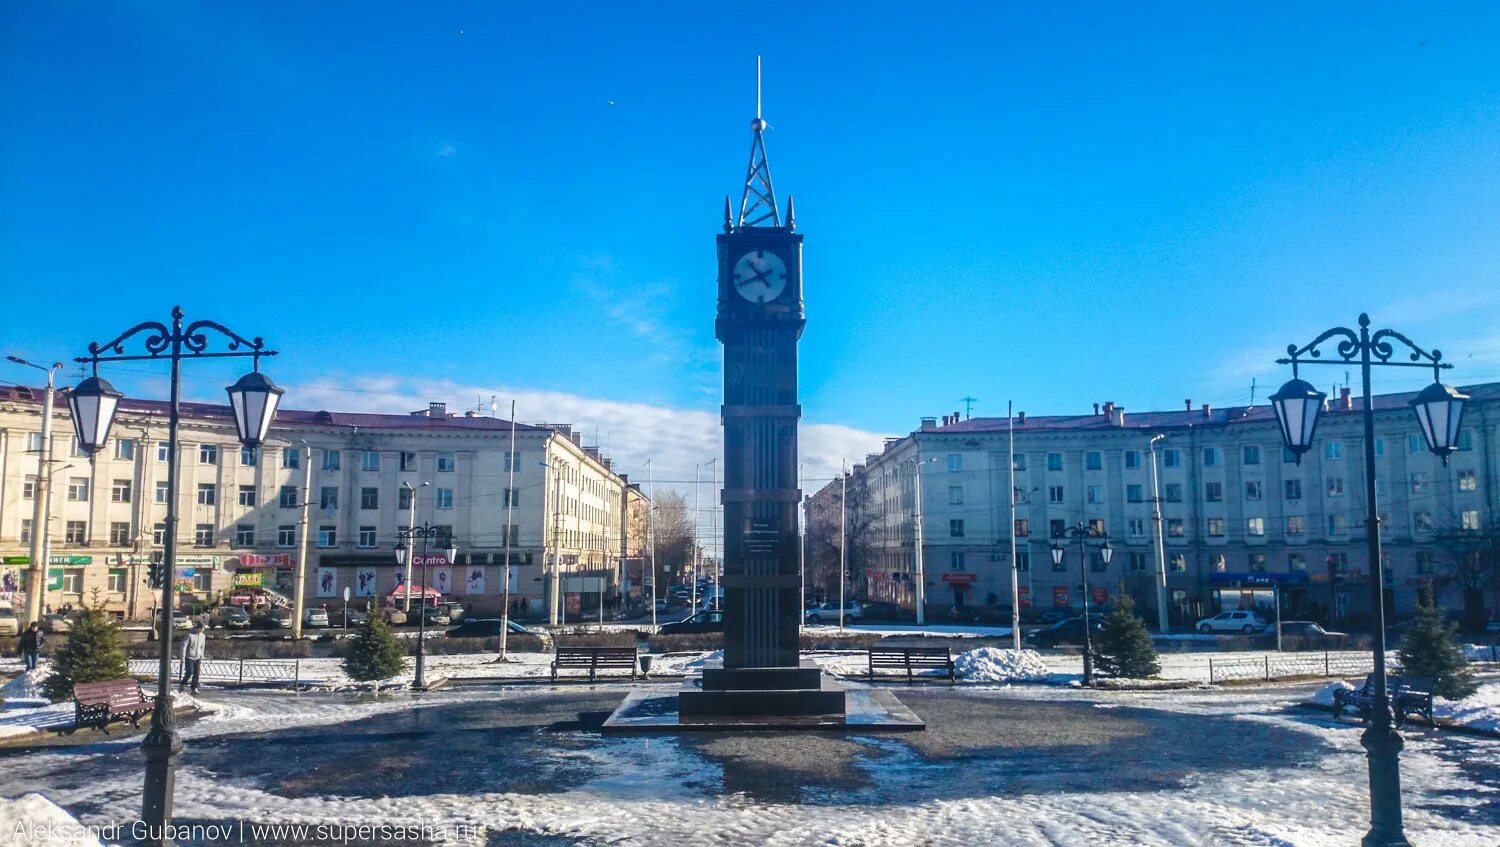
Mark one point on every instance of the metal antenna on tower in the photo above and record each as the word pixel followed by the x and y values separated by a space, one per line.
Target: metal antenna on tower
pixel 968 405
pixel 758 201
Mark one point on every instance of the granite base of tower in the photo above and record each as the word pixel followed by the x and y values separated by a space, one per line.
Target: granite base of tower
pixel 761 692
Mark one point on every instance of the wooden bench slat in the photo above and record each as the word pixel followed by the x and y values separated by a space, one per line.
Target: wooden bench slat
pixel 595 658
pixel 911 658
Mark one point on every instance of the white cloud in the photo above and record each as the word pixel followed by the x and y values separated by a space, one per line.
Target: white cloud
pixel 447 150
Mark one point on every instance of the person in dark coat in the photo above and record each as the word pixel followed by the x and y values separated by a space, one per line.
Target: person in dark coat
pixel 31 645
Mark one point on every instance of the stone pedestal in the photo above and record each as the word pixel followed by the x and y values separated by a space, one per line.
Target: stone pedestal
pixel 762 692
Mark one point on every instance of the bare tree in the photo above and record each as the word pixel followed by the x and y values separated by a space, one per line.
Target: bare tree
pixel 1473 564
pixel 674 536
pixel 859 519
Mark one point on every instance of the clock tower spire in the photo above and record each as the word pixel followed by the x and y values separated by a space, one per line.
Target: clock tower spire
pixel 758 201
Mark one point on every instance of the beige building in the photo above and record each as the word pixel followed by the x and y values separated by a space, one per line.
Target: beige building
pixel 366 475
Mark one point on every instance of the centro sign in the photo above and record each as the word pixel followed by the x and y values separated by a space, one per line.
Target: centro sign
pixel 429 560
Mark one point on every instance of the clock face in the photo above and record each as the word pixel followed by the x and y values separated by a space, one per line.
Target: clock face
pixel 760 276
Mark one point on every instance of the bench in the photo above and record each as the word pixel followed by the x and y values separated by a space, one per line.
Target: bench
pixel 594 659
pixel 1414 697
pixel 97 704
pixel 912 659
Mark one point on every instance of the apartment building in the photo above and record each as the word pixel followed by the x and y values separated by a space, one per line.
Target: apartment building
pixel 1239 517
pixel 365 475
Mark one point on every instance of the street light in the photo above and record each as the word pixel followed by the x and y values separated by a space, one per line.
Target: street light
pixel 425 532
pixel 1084 533
pixel 94 403
pixel 1439 411
pixel 41 516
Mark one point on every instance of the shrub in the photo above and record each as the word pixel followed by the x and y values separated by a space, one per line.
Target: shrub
pixel 1123 646
pixel 1427 649
pixel 93 653
pixel 374 654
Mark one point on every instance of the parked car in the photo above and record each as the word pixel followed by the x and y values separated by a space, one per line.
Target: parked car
pixel 229 617
pixel 701 622
pixel 829 613
pixel 355 617
pixel 56 623
pixel 271 619
pixel 880 611
pixel 1069 631
pixel 181 621
pixel 393 615
pixel 1302 635
pixel 9 623
pixel 436 615
pixel 490 628
pixel 1245 622
pixel 1052 616
pixel 455 611
pixel 315 618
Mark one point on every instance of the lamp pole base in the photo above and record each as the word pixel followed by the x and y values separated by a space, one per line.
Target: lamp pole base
pixel 161 745
pixel 1383 749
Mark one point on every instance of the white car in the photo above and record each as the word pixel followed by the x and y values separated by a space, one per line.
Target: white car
pixel 1245 622
pixel 829 613
pixel 315 618
pixel 9 623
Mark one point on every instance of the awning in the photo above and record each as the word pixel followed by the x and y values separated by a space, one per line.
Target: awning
pixel 417 591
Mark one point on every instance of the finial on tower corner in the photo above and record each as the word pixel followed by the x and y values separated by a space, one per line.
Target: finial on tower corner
pixel 791 212
pixel 728 215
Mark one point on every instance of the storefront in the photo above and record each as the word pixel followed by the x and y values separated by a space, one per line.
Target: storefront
pixel 1258 592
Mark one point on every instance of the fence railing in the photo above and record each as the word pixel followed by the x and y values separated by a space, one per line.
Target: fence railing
pixel 1283 666
pixel 230 670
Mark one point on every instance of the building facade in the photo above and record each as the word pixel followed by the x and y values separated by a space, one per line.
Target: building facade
pixel 1239 518
pixel 364 476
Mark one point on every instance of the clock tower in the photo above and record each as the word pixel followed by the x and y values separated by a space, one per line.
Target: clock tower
pixel 759 322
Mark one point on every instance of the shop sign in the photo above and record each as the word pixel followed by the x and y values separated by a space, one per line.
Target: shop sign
pixel 70 560
pixel 15 560
pixel 1025 593
pixel 266 560
pixel 958 580
pixel 247 580
pixel 1059 597
pixel 1100 595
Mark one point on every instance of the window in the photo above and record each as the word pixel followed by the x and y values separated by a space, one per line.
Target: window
pixel 1175 528
pixel 1415 444
pixel 409 461
pixel 1023 560
pixel 73 581
pixel 956 561
pixel 955 495
pixel 28 487
pixel 203 535
pixel 78 488
pixel 25 530
pixel 1257 562
pixel 1296 562
pixel 956 528
pixel 1023 528
pixel 203 579
pixel 513 462
pixel 119 533
pixel 331 460
pixel 208 454
pixel 369 498
pixel 442 498
pixel 1054 494
pixel 33 442
pixel 78 449
pixel 162 449
pixel 1293 489
pixel 249 456
pixel 291 457
pixel 1466 439
pixel 327 536
pixel 1054 462
pixel 367 537
pixel 1134 494
pixel 1424 562
pixel 1418 483
pixel 1137 562
pixel 370 461
pixel 1171 458
pixel 247 495
pixel 159 534
pixel 116 583
pixel 1213 492
pixel 1093 460
pixel 207 494
pixel 1250 454
pixel 1217 563
pixel 513 497
pixel 1335 486
pixel 1132 459
pixel 1020 462
pixel 1333 450
pixel 1252 489
pixel 1135 527
pixel 1467 481
pixel 1096 562
pixel 287 499
pixel 955 462
pixel 404 497
pixel 244 536
pixel 1212 457
pixel 1255 526
pixel 445 463
pixel 1177 562
pixel 119 491
pixel 1095 494
pixel 1055 527
pixel 286 535
pixel 1380 446
pixel 1216 527
pixel 1421 521
pixel 1468 519
pixel 1296 525
pixel 328 498
pixel 125 449
pixel 1174 492
pixel 1338 524
pixel 1096 525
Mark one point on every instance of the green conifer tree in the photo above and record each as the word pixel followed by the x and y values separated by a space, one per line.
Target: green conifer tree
pixel 1123 646
pixel 374 654
pixel 1428 649
pixel 94 652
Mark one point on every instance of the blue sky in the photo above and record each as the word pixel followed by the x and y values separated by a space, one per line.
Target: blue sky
pixel 452 200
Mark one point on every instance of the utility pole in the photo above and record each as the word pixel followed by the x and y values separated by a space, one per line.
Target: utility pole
pixel 299 589
pixel 1161 550
pixel 697 536
pixel 1015 564
pixel 41 513
pixel 843 538
pixel 411 523
pixel 921 571
pixel 651 536
pixel 968 405
pixel 510 502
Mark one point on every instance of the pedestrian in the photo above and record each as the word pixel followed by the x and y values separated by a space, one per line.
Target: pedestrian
pixel 193 647
pixel 31 645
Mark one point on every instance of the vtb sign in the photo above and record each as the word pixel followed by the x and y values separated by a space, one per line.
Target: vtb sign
pixel 429 560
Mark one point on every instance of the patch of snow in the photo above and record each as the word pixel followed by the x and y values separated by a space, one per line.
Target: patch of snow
pixel 33 819
pixel 991 664
pixel 1481 652
pixel 27 686
pixel 1480 710
pixel 1324 697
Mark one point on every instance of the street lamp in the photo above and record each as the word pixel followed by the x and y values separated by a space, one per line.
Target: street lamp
pixel 94 403
pixel 1439 410
pixel 1084 533
pixel 41 517
pixel 425 532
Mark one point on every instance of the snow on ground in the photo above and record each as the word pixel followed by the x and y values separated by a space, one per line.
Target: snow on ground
pixel 26 686
pixel 990 664
pixel 33 819
pixel 1325 695
pixel 1480 710
pixel 961 630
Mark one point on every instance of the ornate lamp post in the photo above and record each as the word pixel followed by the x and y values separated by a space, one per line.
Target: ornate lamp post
pixel 93 402
pixel 1084 533
pixel 426 532
pixel 1439 409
